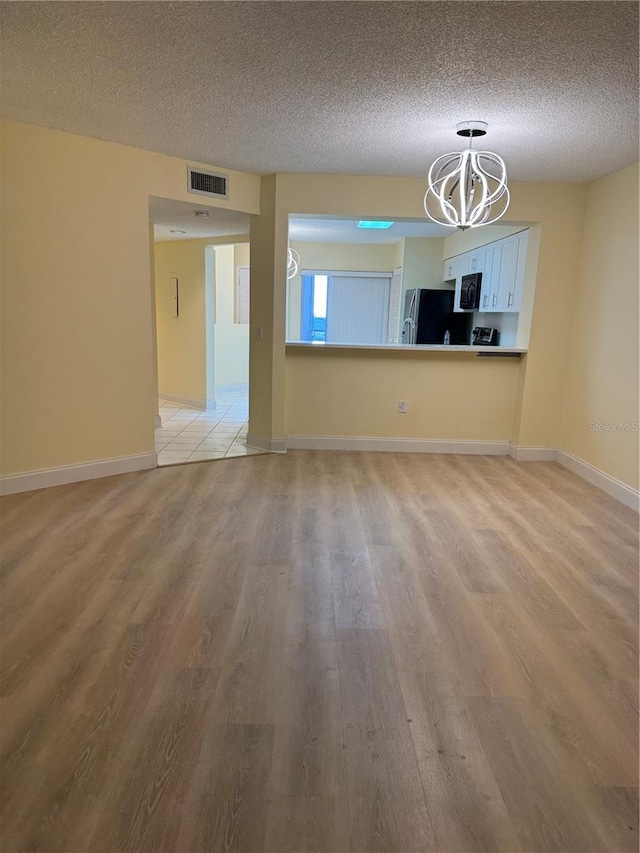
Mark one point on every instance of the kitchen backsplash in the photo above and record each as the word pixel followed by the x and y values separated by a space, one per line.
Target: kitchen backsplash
pixel 506 324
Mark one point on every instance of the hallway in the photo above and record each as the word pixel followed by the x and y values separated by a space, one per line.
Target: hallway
pixel 193 435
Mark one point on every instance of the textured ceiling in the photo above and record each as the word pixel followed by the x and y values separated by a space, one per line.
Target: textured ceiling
pixel 330 230
pixel 167 214
pixel 346 87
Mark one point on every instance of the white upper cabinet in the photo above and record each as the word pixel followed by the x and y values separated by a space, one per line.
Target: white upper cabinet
pixel 516 302
pixel 477 260
pixel 450 269
pixel 502 266
pixel 463 265
pixel 491 279
pixel 511 280
pixel 507 278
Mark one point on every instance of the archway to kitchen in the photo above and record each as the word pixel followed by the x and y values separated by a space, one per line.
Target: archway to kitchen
pixel 201 275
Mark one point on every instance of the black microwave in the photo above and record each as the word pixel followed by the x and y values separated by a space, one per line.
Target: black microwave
pixel 470 291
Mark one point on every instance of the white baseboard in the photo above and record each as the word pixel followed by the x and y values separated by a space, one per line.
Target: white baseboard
pixel 396 445
pixel 532 454
pixel 12 484
pixel 195 403
pixel 275 445
pixel 625 494
pixel 618 490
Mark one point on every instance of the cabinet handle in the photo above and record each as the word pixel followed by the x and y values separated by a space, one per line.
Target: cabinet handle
pixel 494 300
pixel 510 300
pixel 484 301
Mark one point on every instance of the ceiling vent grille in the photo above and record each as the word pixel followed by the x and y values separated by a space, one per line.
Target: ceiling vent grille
pixel 207 183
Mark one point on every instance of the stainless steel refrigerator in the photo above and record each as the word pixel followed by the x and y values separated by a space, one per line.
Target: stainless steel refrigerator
pixel 429 315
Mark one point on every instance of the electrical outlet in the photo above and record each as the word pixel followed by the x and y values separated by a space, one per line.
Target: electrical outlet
pixel 402 406
pixel 257 333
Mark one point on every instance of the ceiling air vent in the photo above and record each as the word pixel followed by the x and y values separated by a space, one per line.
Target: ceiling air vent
pixel 207 183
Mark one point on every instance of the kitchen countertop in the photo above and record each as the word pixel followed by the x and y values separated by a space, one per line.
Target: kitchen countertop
pixel 439 348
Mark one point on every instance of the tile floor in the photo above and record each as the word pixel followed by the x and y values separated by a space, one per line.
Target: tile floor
pixel 191 435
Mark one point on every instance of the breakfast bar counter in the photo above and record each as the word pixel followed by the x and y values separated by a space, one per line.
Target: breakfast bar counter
pixel 440 349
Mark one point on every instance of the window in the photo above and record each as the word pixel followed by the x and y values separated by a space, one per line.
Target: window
pixel 313 319
pixel 346 308
pixel 241 310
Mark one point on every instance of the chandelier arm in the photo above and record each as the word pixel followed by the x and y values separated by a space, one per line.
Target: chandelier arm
pixel 440 167
pixel 428 212
pixel 501 181
pixel 498 215
pixel 484 191
pixel 449 210
pixel 469 187
pixel 443 219
pixel 293 263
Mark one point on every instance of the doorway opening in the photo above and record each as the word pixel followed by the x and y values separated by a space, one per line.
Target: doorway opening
pixel 201 280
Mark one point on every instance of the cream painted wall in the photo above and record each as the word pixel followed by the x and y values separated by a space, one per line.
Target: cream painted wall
pixel 154 325
pixel 602 377
pixel 268 254
pixel 182 367
pixel 241 254
pixel 77 325
pixel 354 257
pixel 77 328
pixel 231 338
pixel 345 393
pixel 558 208
pixel 194 354
pixel 345 256
pixel 422 264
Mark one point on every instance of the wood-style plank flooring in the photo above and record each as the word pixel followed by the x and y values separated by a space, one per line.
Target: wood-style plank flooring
pixel 321 652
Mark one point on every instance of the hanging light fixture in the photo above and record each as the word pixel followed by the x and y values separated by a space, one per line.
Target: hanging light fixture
pixel 293 263
pixel 467 189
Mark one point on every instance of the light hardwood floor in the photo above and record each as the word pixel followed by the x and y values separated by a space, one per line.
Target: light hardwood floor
pixel 321 652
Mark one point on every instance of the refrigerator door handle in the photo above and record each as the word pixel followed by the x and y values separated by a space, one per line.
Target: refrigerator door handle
pixel 409 322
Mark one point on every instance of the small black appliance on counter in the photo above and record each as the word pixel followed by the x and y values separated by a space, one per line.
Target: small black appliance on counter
pixel 482 336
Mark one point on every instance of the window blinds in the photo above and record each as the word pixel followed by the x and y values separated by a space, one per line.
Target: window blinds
pixel 357 308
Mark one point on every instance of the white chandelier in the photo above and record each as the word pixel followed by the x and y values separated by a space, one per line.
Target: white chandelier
pixel 293 263
pixel 467 189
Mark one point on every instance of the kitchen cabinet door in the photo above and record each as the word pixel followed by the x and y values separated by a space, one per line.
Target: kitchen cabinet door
pixel 507 277
pixel 502 266
pixel 450 269
pixel 491 281
pixel 518 288
pixel 511 279
pixel 487 271
pixel 478 259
